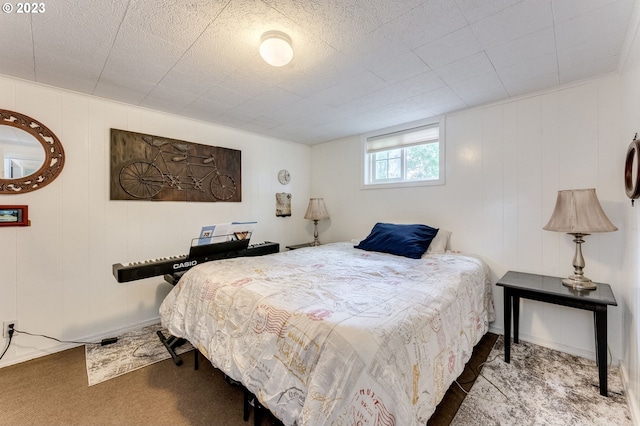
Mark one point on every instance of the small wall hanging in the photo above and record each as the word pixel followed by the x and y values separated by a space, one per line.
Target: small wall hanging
pixel 283 204
pixel 147 167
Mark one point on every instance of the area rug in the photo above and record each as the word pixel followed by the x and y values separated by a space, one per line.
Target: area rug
pixel 542 387
pixel 132 351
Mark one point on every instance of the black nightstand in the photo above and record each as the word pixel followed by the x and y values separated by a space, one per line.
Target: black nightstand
pixel 550 289
pixel 297 246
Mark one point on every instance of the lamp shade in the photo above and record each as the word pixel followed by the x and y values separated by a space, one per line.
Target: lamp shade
pixel 316 210
pixel 275 48
pixel 578 211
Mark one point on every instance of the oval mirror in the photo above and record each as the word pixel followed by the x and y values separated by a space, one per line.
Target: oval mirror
pixel 21 153
pixel 632 170
pixel 32 155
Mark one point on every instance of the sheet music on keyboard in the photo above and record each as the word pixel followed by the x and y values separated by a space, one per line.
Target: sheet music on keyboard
pixel 225 232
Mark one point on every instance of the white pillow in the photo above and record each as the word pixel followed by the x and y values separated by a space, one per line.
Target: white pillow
pixel 440 242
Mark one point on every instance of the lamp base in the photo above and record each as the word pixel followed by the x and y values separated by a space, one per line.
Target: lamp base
pixel 315 241
pixel 579 282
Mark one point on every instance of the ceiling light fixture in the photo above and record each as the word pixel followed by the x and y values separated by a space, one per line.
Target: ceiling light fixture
pixel 275 48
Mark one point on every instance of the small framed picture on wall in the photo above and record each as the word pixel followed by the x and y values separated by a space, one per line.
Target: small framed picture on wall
pixel 14 215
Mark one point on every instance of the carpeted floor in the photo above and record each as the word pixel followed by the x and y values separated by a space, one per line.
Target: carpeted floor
pixel 539 386
pixel 52 390
pixel 542 387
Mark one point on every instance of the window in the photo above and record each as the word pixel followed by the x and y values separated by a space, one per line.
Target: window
pixel 412 154
pixel 14 168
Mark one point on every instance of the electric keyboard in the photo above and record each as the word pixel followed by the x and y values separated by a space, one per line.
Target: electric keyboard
pixel 169 265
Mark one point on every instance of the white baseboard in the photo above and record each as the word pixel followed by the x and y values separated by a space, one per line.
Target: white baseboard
pixel 632 399
pixel 37 353
pixel 587 354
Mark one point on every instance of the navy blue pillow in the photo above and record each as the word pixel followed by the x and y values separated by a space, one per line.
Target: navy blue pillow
pixel 402 240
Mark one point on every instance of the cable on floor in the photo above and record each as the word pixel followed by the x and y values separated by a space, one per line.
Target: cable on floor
pixel 479 374
pixel 103 342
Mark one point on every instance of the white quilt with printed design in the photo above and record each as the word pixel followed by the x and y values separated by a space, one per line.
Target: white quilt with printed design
pixel 336 335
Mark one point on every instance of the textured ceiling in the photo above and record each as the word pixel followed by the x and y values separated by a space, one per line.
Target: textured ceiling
pixel 358 65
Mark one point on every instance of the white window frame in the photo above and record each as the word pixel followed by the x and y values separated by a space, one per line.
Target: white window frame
pixel 367 165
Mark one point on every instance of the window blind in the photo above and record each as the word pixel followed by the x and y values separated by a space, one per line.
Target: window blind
pixel 404 138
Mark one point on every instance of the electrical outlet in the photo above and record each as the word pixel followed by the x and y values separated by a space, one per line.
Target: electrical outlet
pixel 5 327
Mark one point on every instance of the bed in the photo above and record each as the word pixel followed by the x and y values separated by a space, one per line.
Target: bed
pixel 334 334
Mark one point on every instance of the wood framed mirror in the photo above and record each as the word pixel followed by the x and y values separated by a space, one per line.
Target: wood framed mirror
pixel 632 170
pixel 25 168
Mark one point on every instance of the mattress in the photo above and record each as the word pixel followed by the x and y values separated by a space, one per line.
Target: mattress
pixel 337 335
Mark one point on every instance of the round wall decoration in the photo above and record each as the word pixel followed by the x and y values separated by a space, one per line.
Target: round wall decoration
pixel 632 170
pixel 284 177
pixel 30 133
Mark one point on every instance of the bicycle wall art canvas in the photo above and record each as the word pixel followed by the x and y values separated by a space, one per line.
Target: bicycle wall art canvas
pixel 147 167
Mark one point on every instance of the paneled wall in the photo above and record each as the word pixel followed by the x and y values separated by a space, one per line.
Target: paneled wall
pixel 631 254
pixel 56 274
pixel 505 163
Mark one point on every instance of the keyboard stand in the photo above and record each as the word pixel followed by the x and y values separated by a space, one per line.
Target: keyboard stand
pixel 171 344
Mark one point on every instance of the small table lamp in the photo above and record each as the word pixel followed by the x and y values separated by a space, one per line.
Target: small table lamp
pixel 316 211
pixel 578 213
